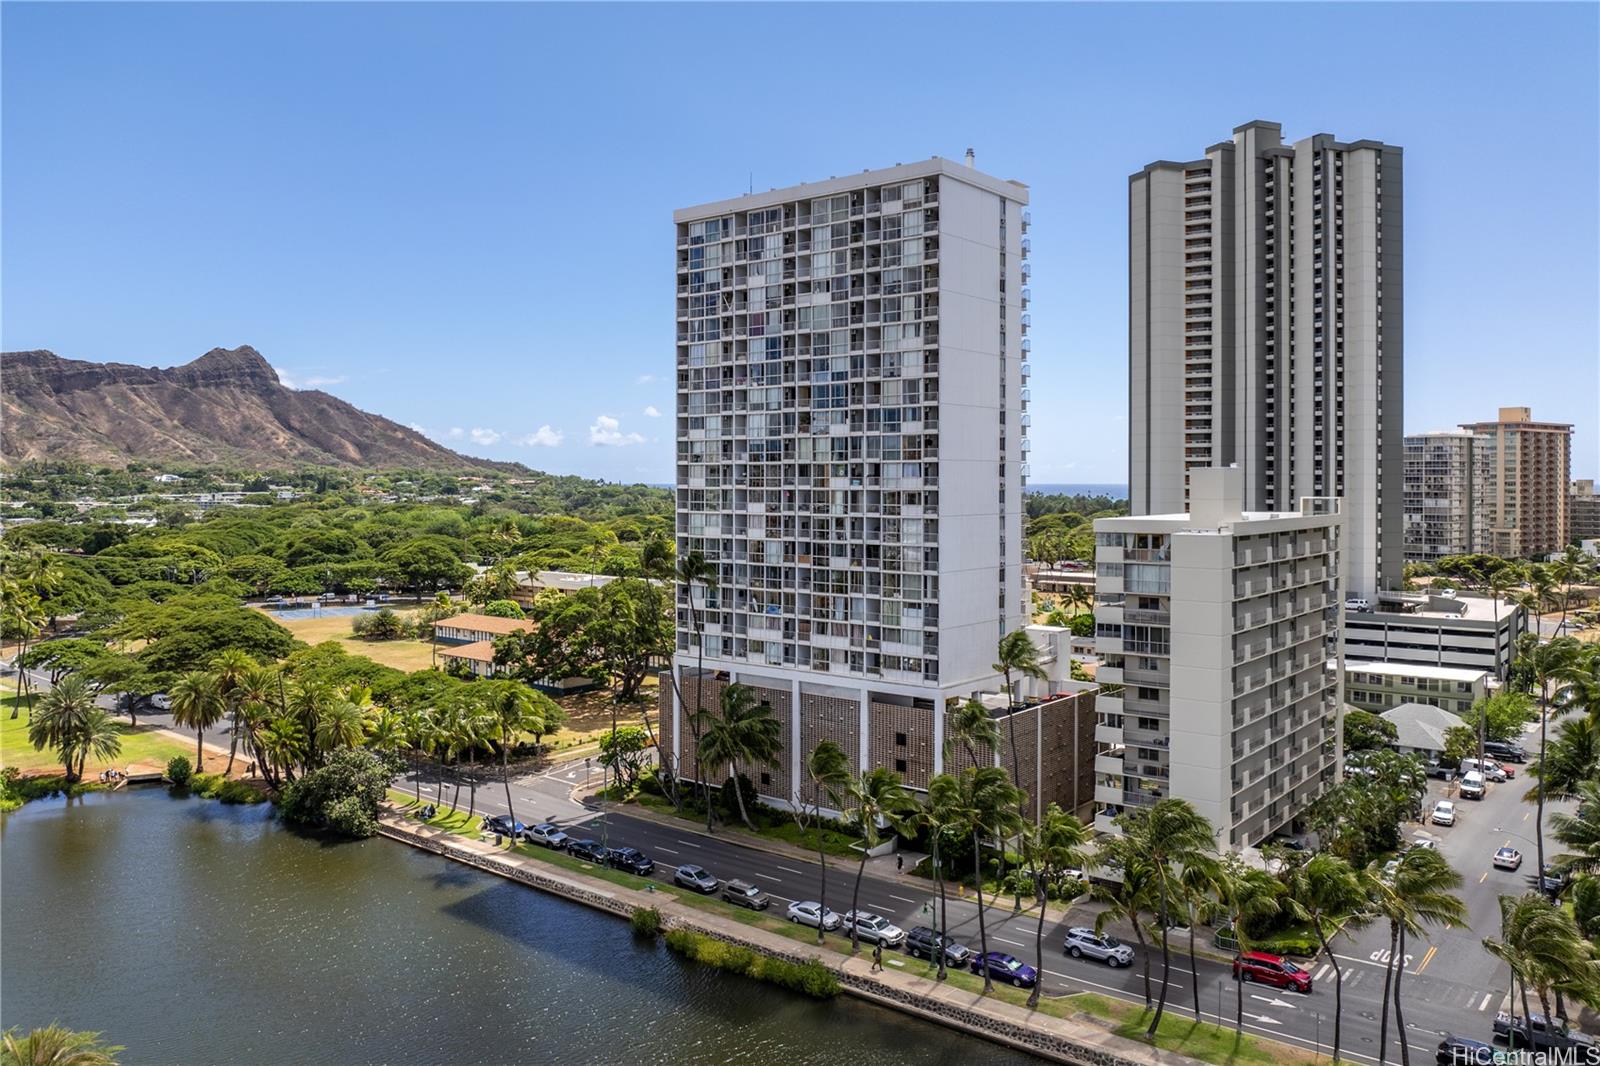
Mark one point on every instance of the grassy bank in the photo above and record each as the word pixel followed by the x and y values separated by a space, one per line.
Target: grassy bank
pixel 143 745
pixel 810 978
pixel 770 825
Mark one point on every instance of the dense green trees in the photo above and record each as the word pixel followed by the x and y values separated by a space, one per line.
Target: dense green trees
pixel 1364 730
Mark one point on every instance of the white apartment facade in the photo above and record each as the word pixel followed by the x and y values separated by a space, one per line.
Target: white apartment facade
pixel 1447 483
pixel 1223 626
pixel 1265 330
pixel 852 424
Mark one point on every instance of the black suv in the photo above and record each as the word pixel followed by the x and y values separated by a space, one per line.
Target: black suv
pixel 922 942
pixel 588 850
pixel 1502 750
pixel 632 860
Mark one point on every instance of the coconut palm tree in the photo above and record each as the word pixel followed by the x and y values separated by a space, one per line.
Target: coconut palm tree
pixel 1130 896
pixel 308 700
pixel 197 704
pixel 1248 894
pixel 746 733
pixel 55 1046
pixel 1201 886
pixel 940 814
pixel 986 804
pixel 1016 654
pixel 62 718
pixel 970 728
pixel 1418 893
pixel 1570 761
pixel 1547 661
pixel 512 709
pixel 1571 568
pixel 1578 684
pixel 100 736
pixel 24 619
pixel 1499 584
pixel 231 666
pixel 1171 834
pixel 873 802
pixel 829 772
pixel 694 569
pixel 1542 946
pixel 343 726
pixel 1057 842
pixel 283 746
pixel 253 696
pixel 1325 891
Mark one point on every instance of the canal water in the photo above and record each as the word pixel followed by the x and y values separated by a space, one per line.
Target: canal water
pixel 193 932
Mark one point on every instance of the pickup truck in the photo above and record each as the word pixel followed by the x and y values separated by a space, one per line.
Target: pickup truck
pixel 1547 1035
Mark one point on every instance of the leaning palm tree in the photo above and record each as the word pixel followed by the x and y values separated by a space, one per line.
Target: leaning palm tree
pixel 1248 894
pixel 971 727
pixel 1325 891
pixel 875 801
pixel 1542 946
pixel 941 814
pixel 988 806
pixel 1201 886
pixel 1418 893
pixel 1173 835
pixel 55 1046
pixel 99 736
pixel 694 569
pixel 746 733
pixel 513 709
pixel 197 704
pixel 231 666
pixel 829 772
pixel 1129 896
pixel 1547 661
pixel 60 721
pixel 1058 842
pixel 1017 654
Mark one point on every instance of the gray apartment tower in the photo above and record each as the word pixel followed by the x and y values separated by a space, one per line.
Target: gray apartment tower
pixel 1265 330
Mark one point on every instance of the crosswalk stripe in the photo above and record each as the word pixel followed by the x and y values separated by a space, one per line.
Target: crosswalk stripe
pixel 1321 972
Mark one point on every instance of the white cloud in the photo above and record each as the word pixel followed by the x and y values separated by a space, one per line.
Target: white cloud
pixel 608 431
pixel 485 436
pixel 314 382
pixel 455 433
pixel 283 378
pixel 543 437
pixel 652 412
pixel 292 381
pixel 644 379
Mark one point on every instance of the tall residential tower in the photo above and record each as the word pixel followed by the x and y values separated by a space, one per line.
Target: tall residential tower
pixel 1529 471
pixel 851 448
pixel 1265 331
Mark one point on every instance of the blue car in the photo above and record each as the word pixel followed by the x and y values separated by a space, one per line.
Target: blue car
pixel 1008 968
pixel 502 824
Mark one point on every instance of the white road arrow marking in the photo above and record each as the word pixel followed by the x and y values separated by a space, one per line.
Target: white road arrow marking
pixel 1274 1002
pixel 1263 1018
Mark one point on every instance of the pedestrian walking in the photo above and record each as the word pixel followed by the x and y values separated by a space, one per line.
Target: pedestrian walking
pixel 877 956
pixel 899 863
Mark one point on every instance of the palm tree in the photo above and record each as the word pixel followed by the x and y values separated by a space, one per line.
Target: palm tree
pixel 252 696
pixel 971 727
pixel 1547 660
pixel 197 705
pixel 1572 567
pixel 1059 841
pixel 829 772
pixel 1326 892
pixel 1581 832
pixel 1171 832
pixel 875 801
pixel 987 803
pixel 512 709
pixel 309 700
pixel 343 726
pixel 1571 760
pixel 1248 894
pixel 1017 654
pixel 55 1046
pixel 1499 583
pixel 941 813
pixel 231 666
pixel 1129 897
pixel 283 745
pixel 746 732
pixel 693 569
pixel 1201 886
pixel 24 618
pixel 100 736
pixel 1418 893
pixel 63 715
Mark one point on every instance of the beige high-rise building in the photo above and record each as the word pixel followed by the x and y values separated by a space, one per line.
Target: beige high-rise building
pixel 1530 468
pixel 1583 508
pixel 1265 330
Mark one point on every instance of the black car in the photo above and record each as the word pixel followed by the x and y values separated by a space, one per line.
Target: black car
pixel 589 851
pixel 502 824
pixel 1552 881
pixel 922 942
pixel 632 860
pixel 1502 750
pixel 1459 1051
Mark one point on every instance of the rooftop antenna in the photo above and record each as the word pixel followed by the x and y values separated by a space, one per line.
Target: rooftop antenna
pixel 752 181
pixel 972 158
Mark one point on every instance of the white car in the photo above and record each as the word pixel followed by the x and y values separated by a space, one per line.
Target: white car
pixel 1507 858
pixel 161 701
pixel 874 928
pixel 810 912
pixel 1444 813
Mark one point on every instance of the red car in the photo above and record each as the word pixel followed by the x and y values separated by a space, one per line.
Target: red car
pixel 1270 970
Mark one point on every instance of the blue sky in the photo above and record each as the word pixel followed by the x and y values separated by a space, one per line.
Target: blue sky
pixel 460 216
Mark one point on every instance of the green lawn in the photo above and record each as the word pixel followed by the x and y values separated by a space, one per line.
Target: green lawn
pixel 834 842
pixel 142 745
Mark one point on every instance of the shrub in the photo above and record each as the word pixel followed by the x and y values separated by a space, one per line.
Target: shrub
pixel 179 770
pixel 342 796
pixel 810 978
pixel 1288 944
pixel 646 922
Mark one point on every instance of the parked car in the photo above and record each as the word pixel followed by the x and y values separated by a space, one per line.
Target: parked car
pixel 1505 750
pixel 551 836
pixel 874 928
pixel 1007 968
pixel 1551 881
pixel 502 824
pixel 1459 1051
pixel 1542 1033
pixel 1272 970
pixel 1472 785
pixel 1491 770
pixel 746 895
pixel 1507 858
pixel 695 877
pixel 1358 605
pixel 161 701
pixel 632 860
pixel 588 851
pixel 1444 813
pixel 1082 941
pixel 810 912
pixel 1441 771
pixel 923 943
pixel 1424 845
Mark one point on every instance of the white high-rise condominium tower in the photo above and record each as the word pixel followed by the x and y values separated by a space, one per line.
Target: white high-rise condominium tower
pixel 1265 330
pixel 851 444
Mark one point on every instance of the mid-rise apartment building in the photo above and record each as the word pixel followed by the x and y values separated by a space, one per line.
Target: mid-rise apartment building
pixel 1529 471
pixel 1221 625
pixel 1446 484
pixel 1583 511
pixel 1266 331
pixel 852 369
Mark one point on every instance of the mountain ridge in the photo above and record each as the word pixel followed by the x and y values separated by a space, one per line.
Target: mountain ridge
pixel 227 406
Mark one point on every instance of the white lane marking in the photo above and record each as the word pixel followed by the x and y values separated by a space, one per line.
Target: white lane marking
pixel 1013 943
pixel 902 899
pixel 1487 996
pixel 688 843
pixel 769 877
pixel 669 851
pixel 791 870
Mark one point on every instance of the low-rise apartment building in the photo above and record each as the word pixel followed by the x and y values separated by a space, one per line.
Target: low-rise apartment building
pixel 1378 686
pixel 1221 626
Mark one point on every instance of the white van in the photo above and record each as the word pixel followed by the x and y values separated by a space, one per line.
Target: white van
pixel 1488 769
pixel 1472 785
pixel 1358 605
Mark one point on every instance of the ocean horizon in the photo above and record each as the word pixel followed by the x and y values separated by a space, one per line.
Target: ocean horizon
pixel 1115 491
